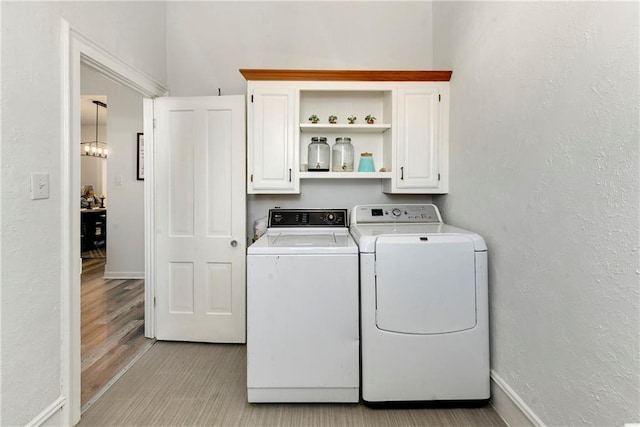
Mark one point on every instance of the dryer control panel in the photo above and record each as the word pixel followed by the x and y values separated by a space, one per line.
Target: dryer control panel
pixel 396 213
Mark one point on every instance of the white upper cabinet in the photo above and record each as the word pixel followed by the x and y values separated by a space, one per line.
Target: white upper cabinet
pixel 420 150
pixel 272 140
pixel 408 140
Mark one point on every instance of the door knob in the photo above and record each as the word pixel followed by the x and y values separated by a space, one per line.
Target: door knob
pixel 234 243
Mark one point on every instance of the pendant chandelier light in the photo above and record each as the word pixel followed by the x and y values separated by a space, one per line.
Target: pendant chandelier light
pixel 96 148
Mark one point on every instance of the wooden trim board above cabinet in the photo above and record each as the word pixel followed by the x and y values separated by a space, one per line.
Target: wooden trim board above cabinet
pixel 346 75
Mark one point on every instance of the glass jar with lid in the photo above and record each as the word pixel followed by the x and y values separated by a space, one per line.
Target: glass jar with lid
pixel 342 153
pixel 318 155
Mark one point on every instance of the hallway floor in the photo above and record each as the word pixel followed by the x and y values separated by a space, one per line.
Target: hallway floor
pixel 112 326
pixel 192 384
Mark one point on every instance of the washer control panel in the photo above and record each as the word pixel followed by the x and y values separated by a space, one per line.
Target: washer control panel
pixel 410 213
pixel 308 218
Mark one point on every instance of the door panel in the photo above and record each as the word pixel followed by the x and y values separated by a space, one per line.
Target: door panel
pixel 200 218
pixel 181 288
pixel 181 179
pixel 220 290
pixel 218 185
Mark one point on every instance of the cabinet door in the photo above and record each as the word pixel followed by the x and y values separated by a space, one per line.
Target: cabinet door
pixel 420 165
pixel 272 141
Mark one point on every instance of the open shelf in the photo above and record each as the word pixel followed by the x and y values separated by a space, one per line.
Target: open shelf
pixel 343 128
pixel 344 102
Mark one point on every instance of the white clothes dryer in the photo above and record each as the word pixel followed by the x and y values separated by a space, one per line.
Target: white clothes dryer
pixel 302 309
pixel 423 307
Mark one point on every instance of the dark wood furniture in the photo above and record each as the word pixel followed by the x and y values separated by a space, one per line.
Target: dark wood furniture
pixel 93 228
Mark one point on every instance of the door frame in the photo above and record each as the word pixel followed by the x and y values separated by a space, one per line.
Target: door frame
pixel 77 49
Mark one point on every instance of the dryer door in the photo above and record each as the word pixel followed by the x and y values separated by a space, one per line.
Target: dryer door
pixel 425 284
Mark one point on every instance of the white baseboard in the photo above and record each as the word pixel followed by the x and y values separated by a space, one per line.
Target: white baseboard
pixel 51 416
pixel 126 275
pixel 510 406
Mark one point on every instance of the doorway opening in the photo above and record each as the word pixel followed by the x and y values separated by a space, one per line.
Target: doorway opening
pixel 78 51
pixel 112 309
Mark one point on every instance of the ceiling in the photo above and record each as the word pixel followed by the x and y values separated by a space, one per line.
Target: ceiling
pixel 88 110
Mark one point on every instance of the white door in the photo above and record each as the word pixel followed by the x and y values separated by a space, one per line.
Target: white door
pixel 200 233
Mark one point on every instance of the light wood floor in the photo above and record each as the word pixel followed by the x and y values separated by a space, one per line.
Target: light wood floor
pixel 112 331
pixel 190 384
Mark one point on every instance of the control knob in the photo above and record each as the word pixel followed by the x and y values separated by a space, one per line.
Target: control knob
pixel 396 212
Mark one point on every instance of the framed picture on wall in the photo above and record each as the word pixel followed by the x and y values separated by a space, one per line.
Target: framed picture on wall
pixel 140 174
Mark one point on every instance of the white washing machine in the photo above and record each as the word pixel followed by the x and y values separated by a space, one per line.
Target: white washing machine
pixel 302 309
pixel 424 308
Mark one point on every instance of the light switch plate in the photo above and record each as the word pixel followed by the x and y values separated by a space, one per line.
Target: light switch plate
pixel 39 186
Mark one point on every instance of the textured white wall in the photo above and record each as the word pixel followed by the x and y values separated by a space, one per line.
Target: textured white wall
pixel 125 217
pixel 544 163
pixel 207 42
pixel 31 127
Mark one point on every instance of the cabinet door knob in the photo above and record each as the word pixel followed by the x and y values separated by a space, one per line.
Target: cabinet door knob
pixel 234 243
pixel 402 172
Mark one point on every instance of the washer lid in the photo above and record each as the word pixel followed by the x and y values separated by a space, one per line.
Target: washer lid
pixel 291 242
